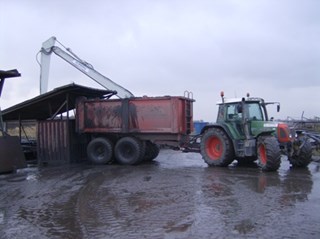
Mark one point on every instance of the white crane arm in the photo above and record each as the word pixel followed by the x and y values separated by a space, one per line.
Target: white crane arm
pixel 49 46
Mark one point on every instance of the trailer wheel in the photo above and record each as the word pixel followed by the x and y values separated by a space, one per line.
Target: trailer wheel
pixel 303 158
pixel 216 148
pixel 269 156
pixel 129 151
pixel 152 151
pixel 100 151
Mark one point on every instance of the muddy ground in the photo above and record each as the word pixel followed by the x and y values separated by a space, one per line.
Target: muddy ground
pixel 177 196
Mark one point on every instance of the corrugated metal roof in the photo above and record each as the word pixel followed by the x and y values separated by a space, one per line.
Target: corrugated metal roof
pixel 44 106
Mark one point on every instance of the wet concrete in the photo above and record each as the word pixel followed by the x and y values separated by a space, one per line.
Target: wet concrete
pixel 177 196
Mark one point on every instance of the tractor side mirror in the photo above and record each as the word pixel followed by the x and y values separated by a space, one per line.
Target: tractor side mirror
pixel 278 108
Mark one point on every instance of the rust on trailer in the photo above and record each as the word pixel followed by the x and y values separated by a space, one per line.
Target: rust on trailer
pixel 169 114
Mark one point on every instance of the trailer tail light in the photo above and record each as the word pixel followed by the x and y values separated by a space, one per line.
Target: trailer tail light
pixel 283 133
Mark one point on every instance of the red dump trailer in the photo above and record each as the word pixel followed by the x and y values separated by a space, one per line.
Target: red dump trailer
pixel 130 130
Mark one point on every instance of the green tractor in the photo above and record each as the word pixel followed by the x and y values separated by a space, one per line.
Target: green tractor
pixel 243 132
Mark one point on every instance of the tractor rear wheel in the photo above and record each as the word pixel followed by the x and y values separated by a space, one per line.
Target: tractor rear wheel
pixel 100 151
pixel 216 148
pixel 303 158
pixel 269 156
pixel 129 151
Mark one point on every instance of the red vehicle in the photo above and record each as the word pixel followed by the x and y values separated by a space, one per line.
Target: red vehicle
pixel 128 129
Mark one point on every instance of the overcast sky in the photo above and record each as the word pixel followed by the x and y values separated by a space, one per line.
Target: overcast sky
pixel 270 48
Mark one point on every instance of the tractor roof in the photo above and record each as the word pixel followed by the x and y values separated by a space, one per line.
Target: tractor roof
pixel 237 100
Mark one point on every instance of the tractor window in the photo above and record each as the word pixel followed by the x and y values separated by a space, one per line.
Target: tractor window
pixel 233 112
pixel 255 112
pixel 220 113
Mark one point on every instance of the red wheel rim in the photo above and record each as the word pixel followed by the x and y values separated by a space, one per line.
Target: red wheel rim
pixel 263 154
pixel 214 148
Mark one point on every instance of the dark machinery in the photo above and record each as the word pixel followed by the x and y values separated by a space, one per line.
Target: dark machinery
pixel 11 154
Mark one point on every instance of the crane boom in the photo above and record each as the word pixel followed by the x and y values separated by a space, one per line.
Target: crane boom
pixel 49 46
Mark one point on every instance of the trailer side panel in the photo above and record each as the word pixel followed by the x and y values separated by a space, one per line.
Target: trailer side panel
pixel 136 115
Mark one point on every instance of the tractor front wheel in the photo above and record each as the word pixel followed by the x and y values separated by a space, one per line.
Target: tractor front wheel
pixel 216 148
pixel 302 158
pixel 269 155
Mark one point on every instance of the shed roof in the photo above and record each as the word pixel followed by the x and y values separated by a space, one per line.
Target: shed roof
pixel 44 106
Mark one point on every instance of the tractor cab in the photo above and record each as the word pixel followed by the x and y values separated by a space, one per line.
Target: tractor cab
pixel 246 117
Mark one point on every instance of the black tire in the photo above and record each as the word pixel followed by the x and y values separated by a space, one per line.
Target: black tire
pixel 152 151
pixel 100 151
pixel 216 148
pixel 129 151
pixel 304 157
pixel 269 155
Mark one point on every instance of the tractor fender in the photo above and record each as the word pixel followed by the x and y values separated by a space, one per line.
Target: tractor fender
pixel 266 133
pixel 215 125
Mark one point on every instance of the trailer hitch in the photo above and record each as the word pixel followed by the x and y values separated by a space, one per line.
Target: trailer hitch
pixel 193 145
